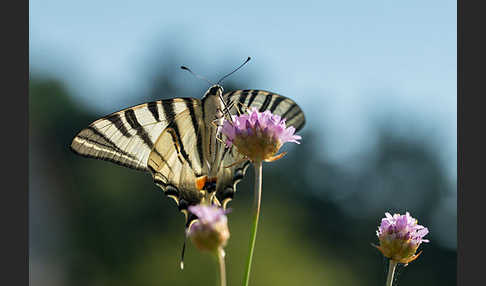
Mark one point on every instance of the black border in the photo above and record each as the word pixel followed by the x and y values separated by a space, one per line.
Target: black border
pixel 470 152
pixel 15 148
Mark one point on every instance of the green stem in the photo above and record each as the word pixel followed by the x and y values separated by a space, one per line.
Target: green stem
pixel 258 193
pixel 391 272
pixel 222 268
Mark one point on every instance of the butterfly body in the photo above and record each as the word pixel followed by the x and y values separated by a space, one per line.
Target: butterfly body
pixel 177 142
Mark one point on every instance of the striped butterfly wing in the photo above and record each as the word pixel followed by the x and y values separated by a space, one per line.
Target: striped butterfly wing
pixel 230 174
pixel 263 100
pixel 127 137
pixel 239 101
pixel 168 138
pixel 177 161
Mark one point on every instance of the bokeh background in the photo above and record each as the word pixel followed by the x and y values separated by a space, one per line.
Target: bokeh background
pixel 376 80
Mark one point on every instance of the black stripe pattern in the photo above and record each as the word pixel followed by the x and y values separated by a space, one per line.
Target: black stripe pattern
pixel 133 122
pixel 265 104
pixel 152 106
pixel 265 100
pixel 275 103
pixel 252 97
pixel 112 144
pixel 115 118
pixel 195 126
pixel 176 136
pixel 242 99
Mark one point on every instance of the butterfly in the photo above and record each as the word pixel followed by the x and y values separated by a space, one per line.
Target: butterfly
pixel 176 141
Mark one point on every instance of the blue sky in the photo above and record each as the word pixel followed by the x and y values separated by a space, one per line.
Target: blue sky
pixel 347 63
pixel 356 59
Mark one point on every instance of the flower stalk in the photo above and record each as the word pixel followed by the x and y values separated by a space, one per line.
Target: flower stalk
pixel 257 136
pixel 391 272
pixel 222 268
pixel 256 215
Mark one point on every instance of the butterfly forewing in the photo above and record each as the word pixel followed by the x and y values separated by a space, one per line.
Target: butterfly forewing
pixel 126 137
pixel 240 100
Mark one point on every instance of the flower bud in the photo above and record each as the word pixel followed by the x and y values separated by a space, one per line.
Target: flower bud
pixel 400 236
pixel 210 231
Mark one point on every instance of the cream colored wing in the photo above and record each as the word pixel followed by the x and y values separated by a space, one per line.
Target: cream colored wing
pixel 266 100
pixel 126 137
pixel 177 162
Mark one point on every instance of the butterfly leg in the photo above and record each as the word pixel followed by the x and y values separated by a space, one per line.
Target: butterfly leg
pixel 226 110
pixel 219 134
pixel 231 105
pixel 220 139
pixel 243 107
pixel 226 113
pixel 226 107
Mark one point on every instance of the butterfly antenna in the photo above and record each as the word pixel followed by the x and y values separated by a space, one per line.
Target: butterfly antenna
pixel 247 60
pixel 182 254
pixel 196 75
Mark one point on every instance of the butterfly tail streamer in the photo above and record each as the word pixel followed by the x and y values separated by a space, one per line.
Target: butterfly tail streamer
pixel 182 253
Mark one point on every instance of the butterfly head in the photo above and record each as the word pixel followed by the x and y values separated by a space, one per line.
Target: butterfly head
pixel 215 90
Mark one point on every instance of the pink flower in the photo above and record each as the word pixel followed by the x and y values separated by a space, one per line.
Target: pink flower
pixel 400 236
pixel 210 231
pixel 258 135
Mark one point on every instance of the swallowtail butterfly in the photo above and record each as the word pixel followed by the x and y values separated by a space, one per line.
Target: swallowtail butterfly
pixel 175 140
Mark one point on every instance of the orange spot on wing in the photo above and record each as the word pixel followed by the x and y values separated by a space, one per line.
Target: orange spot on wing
pixel 200 182
pixel 203 181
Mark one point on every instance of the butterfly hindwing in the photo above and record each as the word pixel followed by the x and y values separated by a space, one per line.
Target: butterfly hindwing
pixel 176 161
pixel 232 171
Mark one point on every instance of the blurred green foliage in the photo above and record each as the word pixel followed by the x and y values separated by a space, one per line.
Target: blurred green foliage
pixel 115 227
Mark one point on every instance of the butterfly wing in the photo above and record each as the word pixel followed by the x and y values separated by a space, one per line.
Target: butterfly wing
pixel 177 161
pixel 240 100
pixel 263 100
pixel 230 174
pixel 167 138
pixel 126 137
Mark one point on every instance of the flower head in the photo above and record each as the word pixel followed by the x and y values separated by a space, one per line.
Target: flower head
pixel 210 231
pixel 400 236
pixel 258 135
